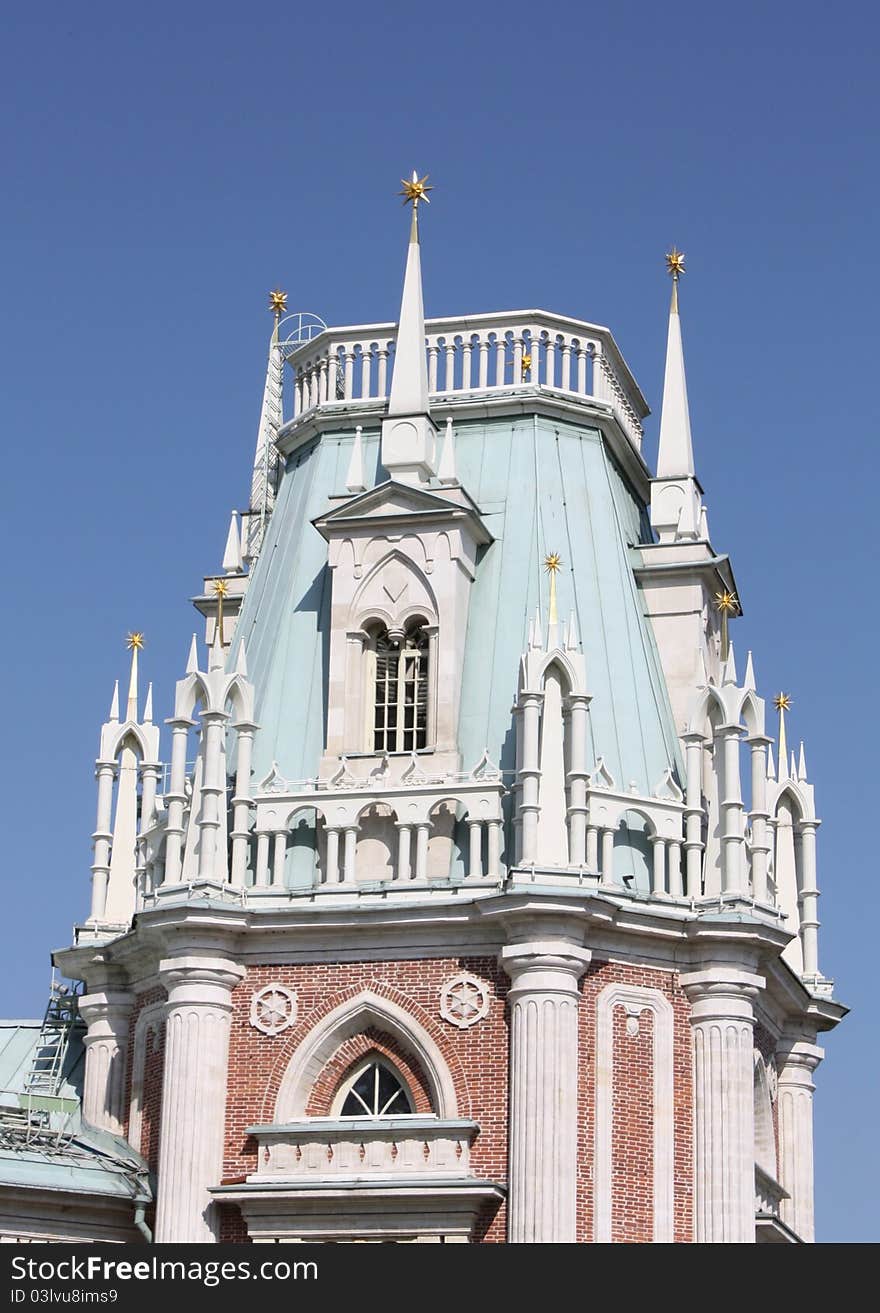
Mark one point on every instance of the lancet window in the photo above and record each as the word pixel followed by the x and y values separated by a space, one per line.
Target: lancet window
pixel 400 690
pixel 375 1090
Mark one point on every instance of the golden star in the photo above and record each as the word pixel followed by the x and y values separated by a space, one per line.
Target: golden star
pixel 221 587
pixel 675 262
pixel 782 702
pixel 134 641
pixel 415 190
pixel 726 603
pixel 278 301
pixel 552 562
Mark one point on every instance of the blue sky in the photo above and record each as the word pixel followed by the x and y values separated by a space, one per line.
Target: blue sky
pixel 164 167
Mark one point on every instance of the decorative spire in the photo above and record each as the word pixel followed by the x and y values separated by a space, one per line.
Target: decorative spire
pixel 192 661
pixel 241 661
pixel 726 604
pixel 729 674
pixel 782 703
pixel 802 765
pixel 266 456
pixel 148 706
pixel 409 383
pixel 552 562
pixel 749 681
pixel 446 468
pixel 134 642
pixel 354 480
pixel 221 588
pixel 675 456
pixel 771 765
pixel 114 702
pixel 232 562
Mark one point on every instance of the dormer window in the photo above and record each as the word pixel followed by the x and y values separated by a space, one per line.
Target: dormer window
pixel 400 689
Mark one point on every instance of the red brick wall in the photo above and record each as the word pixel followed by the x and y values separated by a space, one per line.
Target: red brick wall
pixel 632 1133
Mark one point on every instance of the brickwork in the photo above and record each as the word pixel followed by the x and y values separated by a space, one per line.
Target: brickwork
pixel 151 1090
pixel 632 1136
pixel 370 1041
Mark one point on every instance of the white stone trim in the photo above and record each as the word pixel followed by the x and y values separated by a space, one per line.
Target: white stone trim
pixel 635 999
pixel 448 1001
pixel 286 1020
pixel 151 1016
pixel 350 1018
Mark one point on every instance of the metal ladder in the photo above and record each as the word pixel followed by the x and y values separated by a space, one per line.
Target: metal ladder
pixel 47 1065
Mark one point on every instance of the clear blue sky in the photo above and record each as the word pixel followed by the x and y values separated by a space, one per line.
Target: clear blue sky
pixel 164 166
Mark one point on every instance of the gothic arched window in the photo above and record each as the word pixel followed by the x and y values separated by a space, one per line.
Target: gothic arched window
pixel 400 690
pixel 375 1090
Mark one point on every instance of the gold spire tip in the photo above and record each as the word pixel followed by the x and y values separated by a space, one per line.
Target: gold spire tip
pixel 782 702
pixel 415 189
pixel 278 302
pixel 727 603
pixel 134 641
pixel 675 263
pixel 221 587
pixel 552 562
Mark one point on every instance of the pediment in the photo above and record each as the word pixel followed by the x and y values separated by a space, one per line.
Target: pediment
pixel 401 504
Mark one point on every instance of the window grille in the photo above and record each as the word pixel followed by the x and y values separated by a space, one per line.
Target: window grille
pixel 377 1091
pixel 400 704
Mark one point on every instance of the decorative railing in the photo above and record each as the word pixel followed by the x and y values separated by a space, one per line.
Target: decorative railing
pixel 330 1147
pixel 481 353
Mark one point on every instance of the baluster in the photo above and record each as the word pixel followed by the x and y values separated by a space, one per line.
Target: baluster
pixel 432 366
pixel 582 369
pixel 565 380
pixel 383 371
pixel 517 361
pixel 466 364
pixel 484 362
pixel 366 368
pixel 449 381
pixel 550 366
pixel 349 373
pixel 299 392
pixel 500 359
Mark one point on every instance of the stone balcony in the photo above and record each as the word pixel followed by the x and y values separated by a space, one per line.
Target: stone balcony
pixel 332 1149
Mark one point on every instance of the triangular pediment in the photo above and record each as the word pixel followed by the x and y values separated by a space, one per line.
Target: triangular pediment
pixel 401 503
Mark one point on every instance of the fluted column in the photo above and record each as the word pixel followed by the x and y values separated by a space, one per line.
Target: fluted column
pixel 175 800
pixel 759 816
pixel 732 838
pixel 577 780
pixel 193 1094
pixel 102 838
pixel 212 862
pixel 693 816
pixel 493 856
pixel 242 801
pixel 331 864
pixel 809 898
pixel 722 1020
pixel 475 854
pixel 529 776
pixel 404 837
pixel 797 1059
pixel 107 1014
pixel 542 1202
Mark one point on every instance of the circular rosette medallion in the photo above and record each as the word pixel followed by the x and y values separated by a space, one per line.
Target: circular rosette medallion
pixel 273 1009
pixel 464 1000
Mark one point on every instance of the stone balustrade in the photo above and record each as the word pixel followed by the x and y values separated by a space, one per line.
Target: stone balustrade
pixel 326 1148
pixel 480 353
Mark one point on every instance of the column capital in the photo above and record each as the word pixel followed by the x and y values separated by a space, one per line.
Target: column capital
pixel 545 965
pixel 106 1013
pixel 798 1054
pixel 197 979
pixel 721 992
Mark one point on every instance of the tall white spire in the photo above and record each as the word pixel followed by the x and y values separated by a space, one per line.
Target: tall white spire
pixel 134 642
pixel 675 494
pixel 266 455
pixel 409 439
pixel 232 563
pixel 675 456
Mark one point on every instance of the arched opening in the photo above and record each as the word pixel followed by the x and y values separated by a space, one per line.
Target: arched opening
pixel 552 826
pixel 633 855
pixel 375 857
pixel 448 841
pixel 398 688
pixel 374 1088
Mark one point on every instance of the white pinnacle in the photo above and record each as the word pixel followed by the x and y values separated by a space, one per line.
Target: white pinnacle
pixel 675 455
pixel 232 562
pixel 354 480
pixel 409 382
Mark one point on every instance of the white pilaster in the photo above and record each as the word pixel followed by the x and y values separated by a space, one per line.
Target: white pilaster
pixel 722 1020
pixel 543 1089
pixel 193 1094
pixel 797 1059
pixel 106 1013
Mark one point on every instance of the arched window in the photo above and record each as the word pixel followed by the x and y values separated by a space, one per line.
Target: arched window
pixel 400 692
pixel 375 1090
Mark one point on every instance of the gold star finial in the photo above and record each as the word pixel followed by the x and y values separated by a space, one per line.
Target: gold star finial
pixel 221 588
pixel 415 189
pixel 552 563
pixel 675 263
pixel 782 702
pixel 727 603
pixel 134 641
pixel 278 302
pixel 526 364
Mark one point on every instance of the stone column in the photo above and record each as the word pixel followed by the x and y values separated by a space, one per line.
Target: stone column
pixel 759 817
pixel 577 778
pixel 175 800
pixel 542 1201
pixel 808 898
pixel 731 807
pixel 493 862
pixel 242 802
pixel 475 853
pixel 723 1023
pixel 404 836
pixel 693 815
pixel 102 838
pixel 529 776
pixel 106 1013
pixel 193 1094
pixel 797 1058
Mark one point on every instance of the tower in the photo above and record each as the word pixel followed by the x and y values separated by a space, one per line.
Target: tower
pixel 469 889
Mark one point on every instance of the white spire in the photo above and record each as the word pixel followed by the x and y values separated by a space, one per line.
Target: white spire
pixel 446 468
pixel 192 662
pixel 802 765
pixel 704 524
pixel 354 480
pixel 537 631
pixel 148 706
pixel 241 663
pixel 266 455
pixel 114 704
pixel 771 765
pixel 729 672
pixel 675 456
pixel 409 382
pixel 792 770
pixel 572 641
pixel 749 681
pixel 232 563
pixel 135 643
